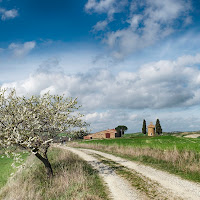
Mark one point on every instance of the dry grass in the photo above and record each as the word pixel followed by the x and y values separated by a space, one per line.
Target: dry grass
pixel 185 163
pixel 74 179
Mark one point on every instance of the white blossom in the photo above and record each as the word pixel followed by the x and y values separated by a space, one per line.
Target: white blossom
pixel 32 123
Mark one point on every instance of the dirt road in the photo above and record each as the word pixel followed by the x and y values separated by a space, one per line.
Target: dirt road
pixel 173 186
pixel 119 188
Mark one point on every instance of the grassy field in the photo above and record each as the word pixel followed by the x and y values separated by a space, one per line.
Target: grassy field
pixel 177 155
pixel 159 142
pixel 73 179
pixel 6 169
pixel 130 135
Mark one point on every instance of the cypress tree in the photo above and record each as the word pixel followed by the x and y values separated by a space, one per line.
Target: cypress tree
pixel 144 128
pixel 158 127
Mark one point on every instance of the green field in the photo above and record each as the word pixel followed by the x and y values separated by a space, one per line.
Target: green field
pixel 6 169
pixel 158 142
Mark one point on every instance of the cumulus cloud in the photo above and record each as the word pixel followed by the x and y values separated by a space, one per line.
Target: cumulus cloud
pixel 105 6
pixel 110 99
pixel 95 116
pixel 110 7
pixel 100 26
pixel 111 119
pixel 50 65
pixel 162 84
pixel 20 50
pixel 8 14
pixel 148 21
pixel 102 6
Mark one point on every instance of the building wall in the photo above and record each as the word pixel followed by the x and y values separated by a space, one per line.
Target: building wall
pixel 87 137
pixel 151 131
pixel 101 134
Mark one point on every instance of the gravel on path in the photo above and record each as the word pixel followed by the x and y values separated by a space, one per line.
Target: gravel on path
pixel 119 188
pixel 182 188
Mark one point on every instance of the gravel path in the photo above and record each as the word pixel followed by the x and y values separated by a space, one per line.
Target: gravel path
pixel 192 136
pixel 119 188
pixel 179 187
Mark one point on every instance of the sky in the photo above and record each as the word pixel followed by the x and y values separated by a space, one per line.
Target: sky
pixel 125 60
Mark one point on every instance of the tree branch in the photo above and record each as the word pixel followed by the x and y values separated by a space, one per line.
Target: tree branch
pixel 3 123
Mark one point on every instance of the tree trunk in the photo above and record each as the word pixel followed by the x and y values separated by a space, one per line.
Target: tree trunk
pixel 47 165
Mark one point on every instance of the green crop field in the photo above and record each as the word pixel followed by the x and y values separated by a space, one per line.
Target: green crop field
pixel 6 169
pixel 158 142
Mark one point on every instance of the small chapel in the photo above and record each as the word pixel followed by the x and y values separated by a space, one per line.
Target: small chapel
pixel 151 130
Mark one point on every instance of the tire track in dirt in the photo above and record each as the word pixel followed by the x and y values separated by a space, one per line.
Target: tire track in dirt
pixel 184 189
pixel 119 188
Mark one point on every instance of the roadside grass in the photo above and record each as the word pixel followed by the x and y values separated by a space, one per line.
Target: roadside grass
pixel 6 169
pixel 180 156
pixel 181 169
pixel 73 179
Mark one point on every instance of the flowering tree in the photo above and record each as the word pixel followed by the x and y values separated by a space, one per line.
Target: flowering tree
pixel 32 123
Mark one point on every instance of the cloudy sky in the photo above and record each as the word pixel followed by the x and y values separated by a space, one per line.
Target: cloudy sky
pixel 125 60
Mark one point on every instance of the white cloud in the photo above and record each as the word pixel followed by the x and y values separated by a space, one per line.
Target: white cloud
pixel 92 117
pixel 20 50
pixel 161 84
pixel 101 25
pixel 110 7
pixel 8 14
pixel 103 6
pixel 49 66
pixel 110 119
pixel 109 100
pixel 156 20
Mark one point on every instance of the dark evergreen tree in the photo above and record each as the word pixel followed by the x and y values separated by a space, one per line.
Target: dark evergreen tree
pixel 144 128
pixel 158 127
pixel 120 130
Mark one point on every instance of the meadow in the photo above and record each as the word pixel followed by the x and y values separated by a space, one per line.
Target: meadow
pixel 158 142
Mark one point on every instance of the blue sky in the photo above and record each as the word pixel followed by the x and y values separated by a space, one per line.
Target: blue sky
pixel 125 60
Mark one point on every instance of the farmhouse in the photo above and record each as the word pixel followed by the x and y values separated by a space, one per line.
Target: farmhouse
pixel 110 133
